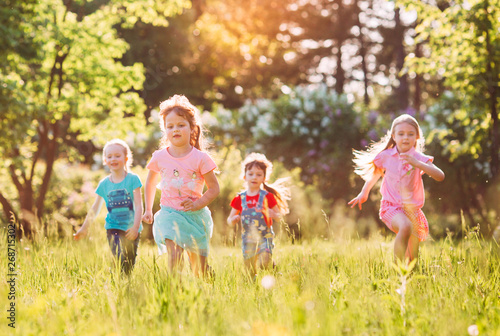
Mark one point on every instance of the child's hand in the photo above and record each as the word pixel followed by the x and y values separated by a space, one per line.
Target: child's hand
pixel 360 199
pixel 148 217
pixel 190 205
pixel 274 214
pixel 234 219
pixel 80 233
pixel 132 233
pixel 408 159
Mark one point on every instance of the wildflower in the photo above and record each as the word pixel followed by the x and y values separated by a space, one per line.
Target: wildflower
pixel 268 281
pixel 473 330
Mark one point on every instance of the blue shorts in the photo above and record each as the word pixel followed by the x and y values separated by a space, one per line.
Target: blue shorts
pixel 190 230
pixel 251 249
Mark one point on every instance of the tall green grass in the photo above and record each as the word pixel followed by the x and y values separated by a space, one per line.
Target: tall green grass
pixel 343 287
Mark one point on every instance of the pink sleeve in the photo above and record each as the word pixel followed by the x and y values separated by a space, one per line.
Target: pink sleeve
pixel 207 164
pixel 423 158
pixel 379 160
pixel 153 163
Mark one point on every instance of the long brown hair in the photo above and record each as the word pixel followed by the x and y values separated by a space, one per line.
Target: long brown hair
pixel 279 188
pixel 183 108
pixel 363 160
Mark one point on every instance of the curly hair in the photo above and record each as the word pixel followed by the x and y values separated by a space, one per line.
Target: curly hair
pixel 183 108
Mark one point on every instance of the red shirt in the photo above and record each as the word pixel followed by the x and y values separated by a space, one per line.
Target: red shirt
pixel 252 202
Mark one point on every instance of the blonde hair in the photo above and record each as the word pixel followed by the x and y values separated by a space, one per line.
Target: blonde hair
pixel 279 188
pixel 126 148
pixel 183 108
pixel 363 160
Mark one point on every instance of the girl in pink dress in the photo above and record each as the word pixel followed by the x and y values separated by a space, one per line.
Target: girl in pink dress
pixel 181 168
pixel 399 159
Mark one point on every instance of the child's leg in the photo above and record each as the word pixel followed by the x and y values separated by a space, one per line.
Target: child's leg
pixel 174 255
pixel 265 260
pixel 115 245
pixel 402 226
pixel 251 265
pixel 412 250
pixel 198 263
pixel 129 252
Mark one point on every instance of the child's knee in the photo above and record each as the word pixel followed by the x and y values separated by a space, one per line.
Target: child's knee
pixel 405 228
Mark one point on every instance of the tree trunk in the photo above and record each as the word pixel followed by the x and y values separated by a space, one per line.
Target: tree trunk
pixel 7 208
pixel 402 91
pixel 50 157
pixel 492 76
pixel 362 53
pixel 417 97
pixel 341 37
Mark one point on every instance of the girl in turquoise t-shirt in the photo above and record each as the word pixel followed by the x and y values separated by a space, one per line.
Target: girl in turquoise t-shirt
pixel 121 192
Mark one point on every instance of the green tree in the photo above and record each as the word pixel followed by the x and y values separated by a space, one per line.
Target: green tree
pixel 463 44
pixel 74 89
pixel 465 50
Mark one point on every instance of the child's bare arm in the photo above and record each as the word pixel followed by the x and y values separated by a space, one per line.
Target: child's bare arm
pixel 275 213
pixel 363 195
pixel 427 167
pixel 149 196
pixel 93 212
pixel 133 232
pixel 234 217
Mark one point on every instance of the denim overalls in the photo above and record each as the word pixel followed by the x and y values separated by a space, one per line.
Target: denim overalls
pixel 256 236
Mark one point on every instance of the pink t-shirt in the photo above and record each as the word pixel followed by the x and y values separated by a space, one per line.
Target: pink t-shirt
pixel 181 178
pixel 402 184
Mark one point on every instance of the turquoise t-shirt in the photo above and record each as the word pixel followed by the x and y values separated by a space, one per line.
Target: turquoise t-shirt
pixel 119 198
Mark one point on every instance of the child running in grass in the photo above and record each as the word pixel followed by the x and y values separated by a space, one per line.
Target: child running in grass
pixel 256 207
pixel 182 166
pixel 399 159
pixel 121 191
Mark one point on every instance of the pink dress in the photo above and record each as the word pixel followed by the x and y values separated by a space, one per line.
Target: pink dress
pixel 403 190
pixel 181 179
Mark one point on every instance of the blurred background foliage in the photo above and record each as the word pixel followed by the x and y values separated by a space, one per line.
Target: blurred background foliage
pixel 303 82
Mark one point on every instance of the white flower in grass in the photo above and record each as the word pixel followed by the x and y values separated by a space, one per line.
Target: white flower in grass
pixel 473 330
pixel 268 281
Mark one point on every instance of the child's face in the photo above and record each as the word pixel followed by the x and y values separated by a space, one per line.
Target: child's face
pixel 115 157
pixel 255 177
pixel 405 136
pixel 177 129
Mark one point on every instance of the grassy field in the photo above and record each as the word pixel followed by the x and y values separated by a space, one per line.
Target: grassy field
pixel 345 287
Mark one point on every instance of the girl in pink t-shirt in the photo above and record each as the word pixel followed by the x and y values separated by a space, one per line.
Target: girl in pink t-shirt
pixel 182 167
pixel 399 159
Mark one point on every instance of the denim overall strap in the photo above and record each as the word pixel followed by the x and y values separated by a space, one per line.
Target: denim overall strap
pixel 244 205
pixel 260 204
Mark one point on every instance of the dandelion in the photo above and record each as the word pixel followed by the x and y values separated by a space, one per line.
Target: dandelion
pixel 473 330
pixel 268 281
pixel 309 305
